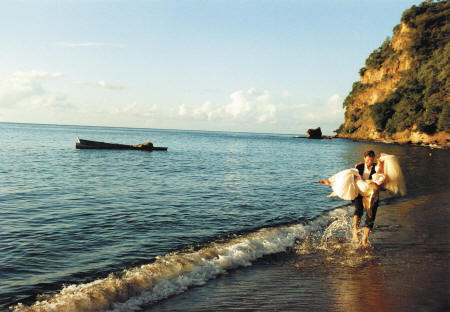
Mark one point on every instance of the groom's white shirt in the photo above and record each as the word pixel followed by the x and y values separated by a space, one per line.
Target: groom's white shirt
pixel 366 173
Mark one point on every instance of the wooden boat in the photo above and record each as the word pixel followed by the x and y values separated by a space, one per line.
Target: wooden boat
pixel 88 144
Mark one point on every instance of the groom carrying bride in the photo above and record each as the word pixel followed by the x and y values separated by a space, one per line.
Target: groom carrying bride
pixel 344 184
pixel 362 185
pixel 366 169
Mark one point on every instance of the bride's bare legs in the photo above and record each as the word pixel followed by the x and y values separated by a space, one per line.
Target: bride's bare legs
pixel 355 228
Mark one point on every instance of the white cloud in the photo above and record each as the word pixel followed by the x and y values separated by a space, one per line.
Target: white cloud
pixel 249 106
pixel 326 113
pixel 105 85
pixel 206 110
pixel 182 110
pixel 101 84
pixel 134 110
pixel 334 106
pixel 240 104
pixel 267 112
pixel 87 44
pixel 285 94
pixel 28 95
pixel 33 75
pixel 60 102
pixel 334 100
pixel 25 90
pixel 255 109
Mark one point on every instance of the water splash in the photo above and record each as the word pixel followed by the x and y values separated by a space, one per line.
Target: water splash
pixel 339 228
pixel 332 246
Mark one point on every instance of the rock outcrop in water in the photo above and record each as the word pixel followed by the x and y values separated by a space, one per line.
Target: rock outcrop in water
pixel 403 94
pixel 314 133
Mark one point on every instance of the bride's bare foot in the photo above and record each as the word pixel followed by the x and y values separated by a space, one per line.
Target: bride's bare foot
pixel 326 182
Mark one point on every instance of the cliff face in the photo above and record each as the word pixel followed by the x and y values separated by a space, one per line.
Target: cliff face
pixel 403 92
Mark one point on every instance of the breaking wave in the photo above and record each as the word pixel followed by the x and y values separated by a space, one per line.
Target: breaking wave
pixel 173 273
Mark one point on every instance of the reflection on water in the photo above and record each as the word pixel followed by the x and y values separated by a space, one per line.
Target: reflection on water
pixel 360 289
pixel 354 276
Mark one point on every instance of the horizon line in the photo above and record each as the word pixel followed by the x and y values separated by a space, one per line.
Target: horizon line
pixel 145 128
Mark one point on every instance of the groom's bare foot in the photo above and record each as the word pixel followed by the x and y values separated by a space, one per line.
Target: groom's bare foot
pixel 355 238
pixel 365 244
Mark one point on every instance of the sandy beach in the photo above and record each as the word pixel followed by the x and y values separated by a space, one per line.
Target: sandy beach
pixel 406 269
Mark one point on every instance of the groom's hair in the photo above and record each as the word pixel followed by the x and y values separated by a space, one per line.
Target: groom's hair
pixel 369 153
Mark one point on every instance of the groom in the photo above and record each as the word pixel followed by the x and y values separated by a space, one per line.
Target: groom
pixel 366 170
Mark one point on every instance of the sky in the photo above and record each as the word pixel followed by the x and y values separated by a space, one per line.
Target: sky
pixel 254 66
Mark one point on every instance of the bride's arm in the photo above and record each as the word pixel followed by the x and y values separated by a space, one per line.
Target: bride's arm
pixel 380 164
pixel 377 180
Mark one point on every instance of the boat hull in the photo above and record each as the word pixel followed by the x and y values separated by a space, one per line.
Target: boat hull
pixel 88 144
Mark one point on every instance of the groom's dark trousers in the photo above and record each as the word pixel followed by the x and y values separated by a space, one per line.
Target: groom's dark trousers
pixel 359 208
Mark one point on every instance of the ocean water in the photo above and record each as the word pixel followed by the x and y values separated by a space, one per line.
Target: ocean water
pixel 124 230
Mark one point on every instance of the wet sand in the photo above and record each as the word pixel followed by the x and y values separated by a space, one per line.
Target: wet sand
pixel 407 269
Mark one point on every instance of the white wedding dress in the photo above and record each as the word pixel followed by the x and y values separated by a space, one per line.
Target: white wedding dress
pixel 395 181
pixel 348 184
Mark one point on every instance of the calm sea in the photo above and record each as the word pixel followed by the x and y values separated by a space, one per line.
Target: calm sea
pixel 105 229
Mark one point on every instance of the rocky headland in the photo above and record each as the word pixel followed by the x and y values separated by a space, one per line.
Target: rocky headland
pixel 403 95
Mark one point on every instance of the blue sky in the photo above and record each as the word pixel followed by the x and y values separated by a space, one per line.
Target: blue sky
pixel 259 66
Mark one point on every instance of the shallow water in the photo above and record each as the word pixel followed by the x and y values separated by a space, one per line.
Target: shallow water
pixel 406 269
pixel 73 217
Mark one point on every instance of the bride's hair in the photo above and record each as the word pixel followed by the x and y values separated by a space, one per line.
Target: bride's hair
pixel 395 181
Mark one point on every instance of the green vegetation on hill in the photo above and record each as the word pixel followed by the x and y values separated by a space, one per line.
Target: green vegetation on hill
pixel 422 95
pixel 377 57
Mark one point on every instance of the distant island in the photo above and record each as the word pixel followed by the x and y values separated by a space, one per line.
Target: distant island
pixel 403 92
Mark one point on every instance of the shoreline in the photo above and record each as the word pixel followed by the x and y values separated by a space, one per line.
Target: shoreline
pixel 433 145
pixel 382 141
pixel 406 269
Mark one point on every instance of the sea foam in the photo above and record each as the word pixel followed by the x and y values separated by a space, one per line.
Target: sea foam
pixel 173 273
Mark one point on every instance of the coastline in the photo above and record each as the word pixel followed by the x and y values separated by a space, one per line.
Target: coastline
pixel 405 270
pixel 432 144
